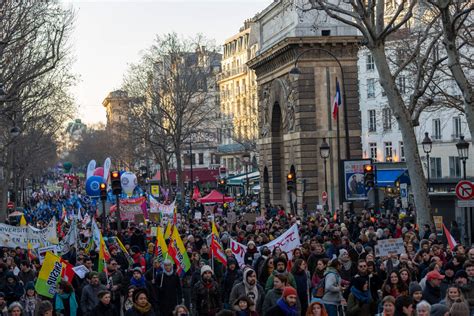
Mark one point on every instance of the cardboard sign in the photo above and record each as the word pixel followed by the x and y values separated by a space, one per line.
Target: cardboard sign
pixel 81 271
pixel 139 219
pixel 231 217
pixel 154 217
pixel 250 217
pixel 438 220
pixel 386 247
pixel 197 215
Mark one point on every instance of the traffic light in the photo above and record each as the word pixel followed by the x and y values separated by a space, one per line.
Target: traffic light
pixel 290 181
pixel 103 192
pixel 221 184
pixel 369 176
pixel 115 181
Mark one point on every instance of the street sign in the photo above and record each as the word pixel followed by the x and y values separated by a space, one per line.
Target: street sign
pixel 10 205
pixel 468 203
pixel 465 190
pixel 324 196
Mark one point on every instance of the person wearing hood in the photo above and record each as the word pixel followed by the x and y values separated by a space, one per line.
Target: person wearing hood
pixel 332 288
pixel 141 304
pixel 169 289
pixel 243 307
pixel 231 276
pixel 432 291
pixel 206 297
pixel 12 288
pixel 250 288
pixel 360 299
pixel 30 300
pixel 286 304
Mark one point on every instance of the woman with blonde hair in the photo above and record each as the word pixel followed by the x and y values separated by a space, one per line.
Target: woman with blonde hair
pixel 453 294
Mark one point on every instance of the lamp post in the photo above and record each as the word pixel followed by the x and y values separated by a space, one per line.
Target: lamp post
pixel 427 145
pixel 246 160
pixel 324 150
pixel 463 153
pixel 295 73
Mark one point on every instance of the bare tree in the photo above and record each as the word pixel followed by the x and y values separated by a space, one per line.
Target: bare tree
pixel 383 26
pixel 177 93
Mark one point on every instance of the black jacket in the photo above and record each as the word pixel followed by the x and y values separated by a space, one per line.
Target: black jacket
pixel 134 312
pixel 104 310
pixel 169 293
pixel 431 294
pixel 206 298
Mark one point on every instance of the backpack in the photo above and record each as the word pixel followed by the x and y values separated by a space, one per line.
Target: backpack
pixel 318 291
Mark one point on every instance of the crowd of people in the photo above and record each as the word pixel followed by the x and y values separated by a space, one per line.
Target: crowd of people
pixel 334 271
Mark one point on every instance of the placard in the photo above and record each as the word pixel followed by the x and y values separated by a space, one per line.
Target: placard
pixel 250 217
pixel 154 217
pixel 197 215
pixel 438 220
pixel 260 222
pixel 231 217
pixel 389 246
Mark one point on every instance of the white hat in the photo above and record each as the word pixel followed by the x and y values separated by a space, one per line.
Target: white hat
pixel 206 268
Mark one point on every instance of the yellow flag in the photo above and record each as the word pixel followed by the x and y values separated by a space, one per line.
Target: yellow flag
pixel 23 221
pixel 161 249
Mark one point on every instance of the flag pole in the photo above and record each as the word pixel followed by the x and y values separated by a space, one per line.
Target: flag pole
pixel 338 139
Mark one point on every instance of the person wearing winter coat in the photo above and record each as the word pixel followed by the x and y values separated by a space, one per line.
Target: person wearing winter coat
pixel 359 302
pixel 12 288
pixel 231 276
pixel 286 305
pixel 206 298
pixel 280 281
pixel 141 304
pixel 332 288
pixel 89 297
pixel 250 288
pixel 303 283
pixel 281 267
pixel 243 307
pixel 432 291
pixel 65 300
pixel 105 306
pixel 169 289
pixel 30 301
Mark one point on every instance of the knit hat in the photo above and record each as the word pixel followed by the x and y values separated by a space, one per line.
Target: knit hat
pixel 461 274
pixel 232 261
pixel 287 291
pixel 137 269
pixel 438 310
pixel 414 287
pixel 342 252
pixel 206 269
pixel 29 286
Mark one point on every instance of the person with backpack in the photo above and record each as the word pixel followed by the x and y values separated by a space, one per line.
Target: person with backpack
pixel 333 290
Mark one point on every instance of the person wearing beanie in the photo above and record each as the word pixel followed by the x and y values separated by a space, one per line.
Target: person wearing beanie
pixel 250 288
pixel 415 292
pixel 439 310
pixel 89 298
pixel 360 299
pixel 286 305
pixel 206 294
pixel 251 253
pixel 348 268
pixel 231 275
pixel 12 288
pixel 30 301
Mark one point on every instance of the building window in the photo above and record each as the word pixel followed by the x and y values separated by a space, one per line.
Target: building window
pixel 435 167
pixel 402 151
pixel 193 158
pixel 201 158
pixel 454 167
pixel 401 83
pixel 373 151
pixel 387 119
pixel 370 65
pixel 456 127
pixel 436 129
pixel 370 88
pixel 388 149
pixel 372 121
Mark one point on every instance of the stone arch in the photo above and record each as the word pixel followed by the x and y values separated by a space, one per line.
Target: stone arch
pixel 265 187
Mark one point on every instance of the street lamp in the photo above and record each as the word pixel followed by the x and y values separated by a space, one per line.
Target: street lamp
pixel 324 150
pixel 463 152
pixel 246 160
pixel 295 73
pixel 427 145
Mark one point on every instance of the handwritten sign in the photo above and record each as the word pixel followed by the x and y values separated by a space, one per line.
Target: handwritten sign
pixel 386 247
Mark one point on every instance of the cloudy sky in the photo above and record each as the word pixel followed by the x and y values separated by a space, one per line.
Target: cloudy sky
pixel 110 34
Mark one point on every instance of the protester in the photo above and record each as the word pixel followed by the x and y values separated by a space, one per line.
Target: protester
pixel 141 304
pixel 332 288
pixel 30 300
pixel 403 306
pixel 104 307
pixel 388 304
pixel 15 309
pixel 45 308
pixel 423 308
pixel 90 292
pixel 243 306
pixel 360 299
pixel 65 303
pixel 181 310
pixel 169 289
pixel 286 305
pixel 206 299
pixel 432 291
pixel 316 309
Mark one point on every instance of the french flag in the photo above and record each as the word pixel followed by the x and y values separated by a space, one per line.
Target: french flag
pixel 451 241
pixel 337 101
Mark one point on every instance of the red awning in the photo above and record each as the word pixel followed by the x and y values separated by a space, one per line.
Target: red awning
pixel 203 175
pixel 215 197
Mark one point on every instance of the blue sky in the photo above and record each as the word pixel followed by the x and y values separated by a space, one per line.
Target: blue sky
pixel 110 34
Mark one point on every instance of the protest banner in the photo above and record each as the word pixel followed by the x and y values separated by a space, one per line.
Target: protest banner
pixel 20 236
pixel 389 246
pixel 287 242
pixel 260 222
pixel 49 275
pixel 130 207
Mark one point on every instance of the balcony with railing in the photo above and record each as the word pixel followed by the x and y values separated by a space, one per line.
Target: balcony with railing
pixel 233 72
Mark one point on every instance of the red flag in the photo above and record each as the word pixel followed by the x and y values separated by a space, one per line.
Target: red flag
pixel 335 216
pixel 451 241
pixel 67 273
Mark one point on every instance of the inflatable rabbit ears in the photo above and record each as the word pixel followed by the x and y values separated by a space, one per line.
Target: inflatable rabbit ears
pixel 100 171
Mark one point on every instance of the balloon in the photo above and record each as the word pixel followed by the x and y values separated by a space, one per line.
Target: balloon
pixel 99 172
pixel 67 166
pixel 129 182
pixel 93 186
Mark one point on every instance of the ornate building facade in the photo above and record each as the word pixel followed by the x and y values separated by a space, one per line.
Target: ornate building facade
pixel 295 115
